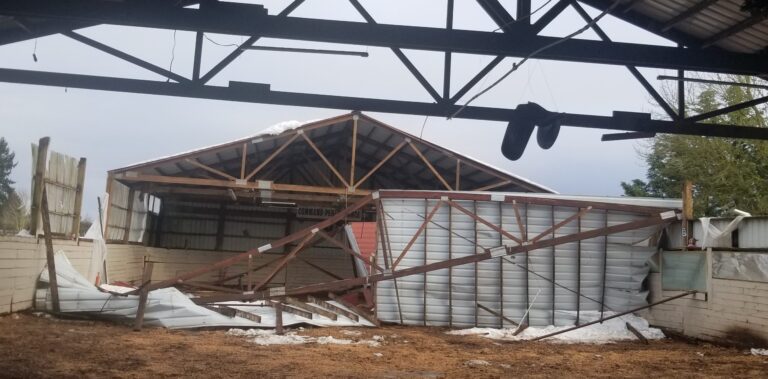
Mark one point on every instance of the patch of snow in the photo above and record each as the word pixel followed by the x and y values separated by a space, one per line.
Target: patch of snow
pixel 353 333
pixel 330 340
pixel 476 363
pixel 754 351
pixel 378 355
pixel 269 337
pixel 281 127
pixel 607 332
pixel 24 233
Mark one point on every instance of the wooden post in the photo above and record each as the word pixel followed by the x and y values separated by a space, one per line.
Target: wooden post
pixel 354 151
pixel 687 212
pixel 146 278
pixel 129 215
pixel 78 198
pixel 52 280
pixel 107 207
pixel 38 184
pixel 278 318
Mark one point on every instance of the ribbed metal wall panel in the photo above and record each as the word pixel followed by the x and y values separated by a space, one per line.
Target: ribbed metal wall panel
pixel 505 286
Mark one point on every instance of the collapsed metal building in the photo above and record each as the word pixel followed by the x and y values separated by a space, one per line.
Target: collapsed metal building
pixel 457 242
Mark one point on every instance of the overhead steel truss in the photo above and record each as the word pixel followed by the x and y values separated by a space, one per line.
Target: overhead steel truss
pixel 519 38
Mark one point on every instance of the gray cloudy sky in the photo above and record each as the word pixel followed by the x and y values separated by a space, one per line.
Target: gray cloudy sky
pixel 116 129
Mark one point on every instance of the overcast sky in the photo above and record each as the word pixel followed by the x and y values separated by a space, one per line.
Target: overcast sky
pixel 113 129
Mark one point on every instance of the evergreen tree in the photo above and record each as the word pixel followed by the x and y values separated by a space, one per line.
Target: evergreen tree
pixel 727 173
pixel 7 164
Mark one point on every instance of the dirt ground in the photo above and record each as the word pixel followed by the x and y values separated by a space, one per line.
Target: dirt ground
pixel 33 346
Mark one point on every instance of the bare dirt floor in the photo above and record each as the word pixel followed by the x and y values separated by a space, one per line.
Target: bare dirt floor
pixel 33 346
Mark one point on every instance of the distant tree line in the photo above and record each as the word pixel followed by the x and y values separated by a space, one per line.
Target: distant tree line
pixel 727 173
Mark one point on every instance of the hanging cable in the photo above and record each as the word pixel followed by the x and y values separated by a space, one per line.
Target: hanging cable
pixel 423 125
pixel 34 51
pixel 517 65
pixel 173 55
pixel 523 18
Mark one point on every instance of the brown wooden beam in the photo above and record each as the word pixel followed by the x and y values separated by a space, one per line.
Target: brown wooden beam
pixel 271 156
pixel 429 165
pixel 327 162
pixel 212 170
pixel 78 198
pixel 381 162
pixel 560 224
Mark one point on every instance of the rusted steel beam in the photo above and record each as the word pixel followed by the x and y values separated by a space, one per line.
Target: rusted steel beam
pixel 211 287
pixel 353 282
pixel 274 245
pixel 404 194
pixel 560 224
pixel 338 310
pixel 484 221
pixel 637 333
pixel 312 309
pixel 373 320
pixel 519 220
pixel 318 268
pixel 281 307
pixel 497 314
pixel 346 249
pixel 416 235
pixel 235 276
pixel 284 261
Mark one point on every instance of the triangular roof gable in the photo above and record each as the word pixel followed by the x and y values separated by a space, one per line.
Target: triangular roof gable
pixel 374 143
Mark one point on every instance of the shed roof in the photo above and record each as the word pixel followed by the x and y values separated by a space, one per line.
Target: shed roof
pixel 395 159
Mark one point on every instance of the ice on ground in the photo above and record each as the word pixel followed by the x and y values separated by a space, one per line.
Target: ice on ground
pixel 759 351
pixel 476 363
pixel 609 331
pixel 269 337
pixel 353 333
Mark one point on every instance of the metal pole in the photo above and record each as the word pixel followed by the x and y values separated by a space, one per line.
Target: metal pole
pixel 614 316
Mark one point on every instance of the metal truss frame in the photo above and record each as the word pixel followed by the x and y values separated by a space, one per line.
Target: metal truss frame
pixel 519 38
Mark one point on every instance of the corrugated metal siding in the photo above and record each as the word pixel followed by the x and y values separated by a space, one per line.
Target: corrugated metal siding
pixel 752 233
pixel 501 285
pixel 710 21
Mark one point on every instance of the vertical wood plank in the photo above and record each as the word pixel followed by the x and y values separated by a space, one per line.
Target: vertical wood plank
pixel 129 215
pixel 38 184
pixel 49 256
pixel 146 278
pixel 353 161
pixel 78 198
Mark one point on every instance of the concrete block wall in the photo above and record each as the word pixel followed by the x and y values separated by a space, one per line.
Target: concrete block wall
pixel 733 311
pixel 21 262
pixel 125 262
